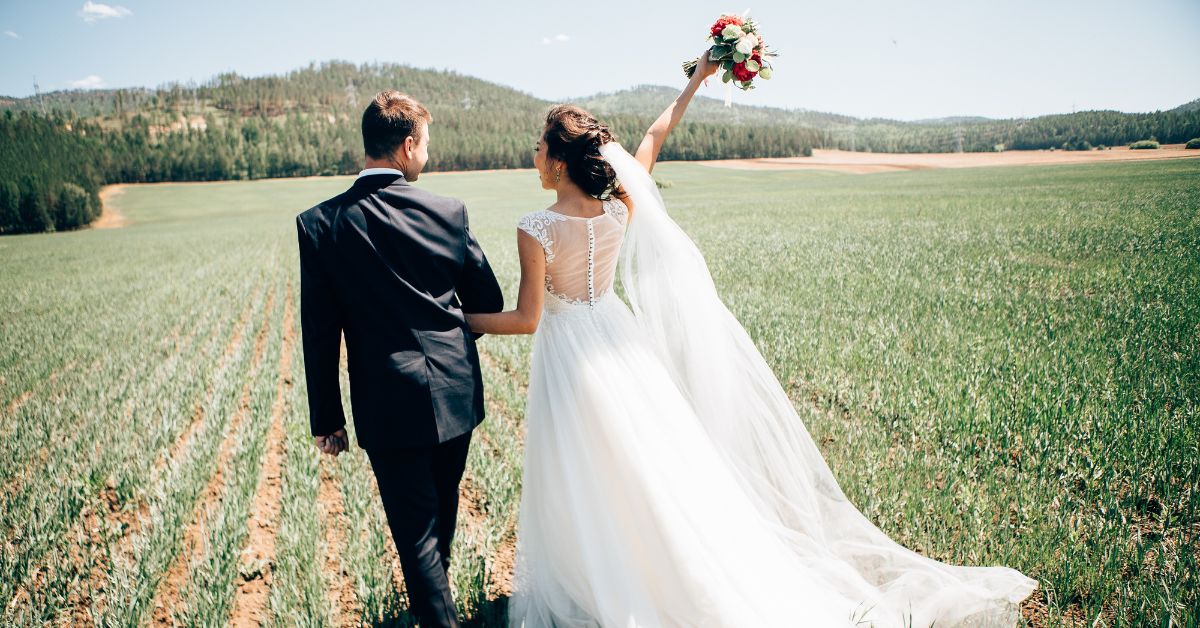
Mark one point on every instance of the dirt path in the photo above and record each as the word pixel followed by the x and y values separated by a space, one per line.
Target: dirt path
pixel 249 606
pixel 503 561
pixel 110 216
pixel 334 523
pixel 170 591
pixel 867 163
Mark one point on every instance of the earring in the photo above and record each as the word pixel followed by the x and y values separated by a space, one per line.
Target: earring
pixel 558 174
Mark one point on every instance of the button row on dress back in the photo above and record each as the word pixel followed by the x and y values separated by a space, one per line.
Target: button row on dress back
pixel 591 264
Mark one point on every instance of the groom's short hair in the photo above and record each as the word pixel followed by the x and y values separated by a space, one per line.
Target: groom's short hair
pixel 389 119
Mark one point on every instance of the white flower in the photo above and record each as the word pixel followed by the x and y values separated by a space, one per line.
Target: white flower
pixel 733 31
pixel 747 43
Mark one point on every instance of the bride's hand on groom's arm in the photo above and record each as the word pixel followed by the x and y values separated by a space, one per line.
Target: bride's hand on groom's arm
pixel 502 323
pixel 524 319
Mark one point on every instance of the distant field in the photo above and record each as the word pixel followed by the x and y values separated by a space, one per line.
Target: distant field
pixel 1002 366
pixel 857 162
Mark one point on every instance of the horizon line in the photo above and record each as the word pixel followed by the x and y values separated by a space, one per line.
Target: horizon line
pixel 318 64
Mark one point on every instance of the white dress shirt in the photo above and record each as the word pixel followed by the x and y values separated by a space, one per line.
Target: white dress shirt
pixel 370 171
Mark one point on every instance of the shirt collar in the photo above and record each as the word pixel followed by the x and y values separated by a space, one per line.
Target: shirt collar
pixel 366 172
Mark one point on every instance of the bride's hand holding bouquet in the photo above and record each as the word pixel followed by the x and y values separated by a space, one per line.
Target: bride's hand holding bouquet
pixel 739 49
pixel 703 67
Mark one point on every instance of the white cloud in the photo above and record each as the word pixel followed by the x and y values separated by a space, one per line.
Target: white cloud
pixel 557 39
pixel 93 11
pixel 12 34
pixel 88 82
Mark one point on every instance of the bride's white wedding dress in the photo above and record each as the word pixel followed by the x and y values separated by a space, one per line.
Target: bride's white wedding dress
pixel 669 482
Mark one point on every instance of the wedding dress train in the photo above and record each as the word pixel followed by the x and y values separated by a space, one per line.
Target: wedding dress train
pixel 668 480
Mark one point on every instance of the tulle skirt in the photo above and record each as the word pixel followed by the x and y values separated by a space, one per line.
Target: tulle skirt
pixel 632 515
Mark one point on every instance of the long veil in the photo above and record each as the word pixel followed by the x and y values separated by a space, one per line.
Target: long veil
pixel 752 421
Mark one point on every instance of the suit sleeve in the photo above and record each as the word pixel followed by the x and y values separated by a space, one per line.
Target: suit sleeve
pixel 321 330
pixel 477 290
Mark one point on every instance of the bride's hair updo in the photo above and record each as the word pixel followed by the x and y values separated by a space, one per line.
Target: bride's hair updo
pixel 574 137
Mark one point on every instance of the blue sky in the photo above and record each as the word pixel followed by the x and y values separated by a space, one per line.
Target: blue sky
pixel 903 60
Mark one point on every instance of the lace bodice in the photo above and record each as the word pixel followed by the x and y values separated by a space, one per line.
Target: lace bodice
pixel 581 253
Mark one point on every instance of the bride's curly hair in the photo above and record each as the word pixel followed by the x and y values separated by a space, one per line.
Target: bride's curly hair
pixel 574 137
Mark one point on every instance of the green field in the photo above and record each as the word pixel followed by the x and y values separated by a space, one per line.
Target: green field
pixel 1001 365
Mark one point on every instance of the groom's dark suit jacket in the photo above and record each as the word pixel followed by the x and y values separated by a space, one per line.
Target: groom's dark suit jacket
pixel 393 267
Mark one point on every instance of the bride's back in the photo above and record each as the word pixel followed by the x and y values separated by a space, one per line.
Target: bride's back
pixel 581 253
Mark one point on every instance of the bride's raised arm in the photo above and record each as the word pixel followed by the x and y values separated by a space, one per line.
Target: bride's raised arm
pixel 647 152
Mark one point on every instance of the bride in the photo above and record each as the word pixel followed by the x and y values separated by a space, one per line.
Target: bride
pixel 668 480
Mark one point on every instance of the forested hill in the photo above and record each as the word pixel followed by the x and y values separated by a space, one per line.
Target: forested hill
pixel 1075 131
pixel 307 123
pixel 1192 106
pixel 299 124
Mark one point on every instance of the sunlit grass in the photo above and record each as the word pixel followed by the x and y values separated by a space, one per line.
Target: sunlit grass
pixel 1001 366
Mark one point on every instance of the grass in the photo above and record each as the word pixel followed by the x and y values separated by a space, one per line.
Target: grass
pixel 1001 365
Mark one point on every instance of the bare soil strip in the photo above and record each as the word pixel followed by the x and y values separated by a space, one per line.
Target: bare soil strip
pixel 101 519
pixel 110 216
pixel 167 596
pixel 48 383
pixel 472 526
pixel 102 523
pixel 346 609
pixel 867 163
pixel 250 601
pixel 474 521
pixel 503 563
pixel 397 573
pixel 18 402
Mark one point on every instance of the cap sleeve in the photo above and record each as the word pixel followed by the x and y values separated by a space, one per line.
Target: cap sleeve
pixel 537 224
pixel 616 207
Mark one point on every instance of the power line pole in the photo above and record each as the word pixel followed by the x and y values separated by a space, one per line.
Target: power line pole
pixel 958 139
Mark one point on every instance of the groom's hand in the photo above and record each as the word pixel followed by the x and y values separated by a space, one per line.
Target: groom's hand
pixel 334 443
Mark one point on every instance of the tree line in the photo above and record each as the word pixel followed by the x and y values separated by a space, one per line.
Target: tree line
pixel 1083 130
pixel 50 179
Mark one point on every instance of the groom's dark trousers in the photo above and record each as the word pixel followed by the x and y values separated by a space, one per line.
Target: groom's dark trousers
pixel 392 268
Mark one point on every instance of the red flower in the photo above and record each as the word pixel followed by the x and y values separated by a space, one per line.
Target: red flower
pixel 722 22
pixel 741 73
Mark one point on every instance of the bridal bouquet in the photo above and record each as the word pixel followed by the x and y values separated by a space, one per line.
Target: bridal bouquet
pixel 739 49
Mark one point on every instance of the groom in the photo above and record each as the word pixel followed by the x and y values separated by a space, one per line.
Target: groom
pixel 393 268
